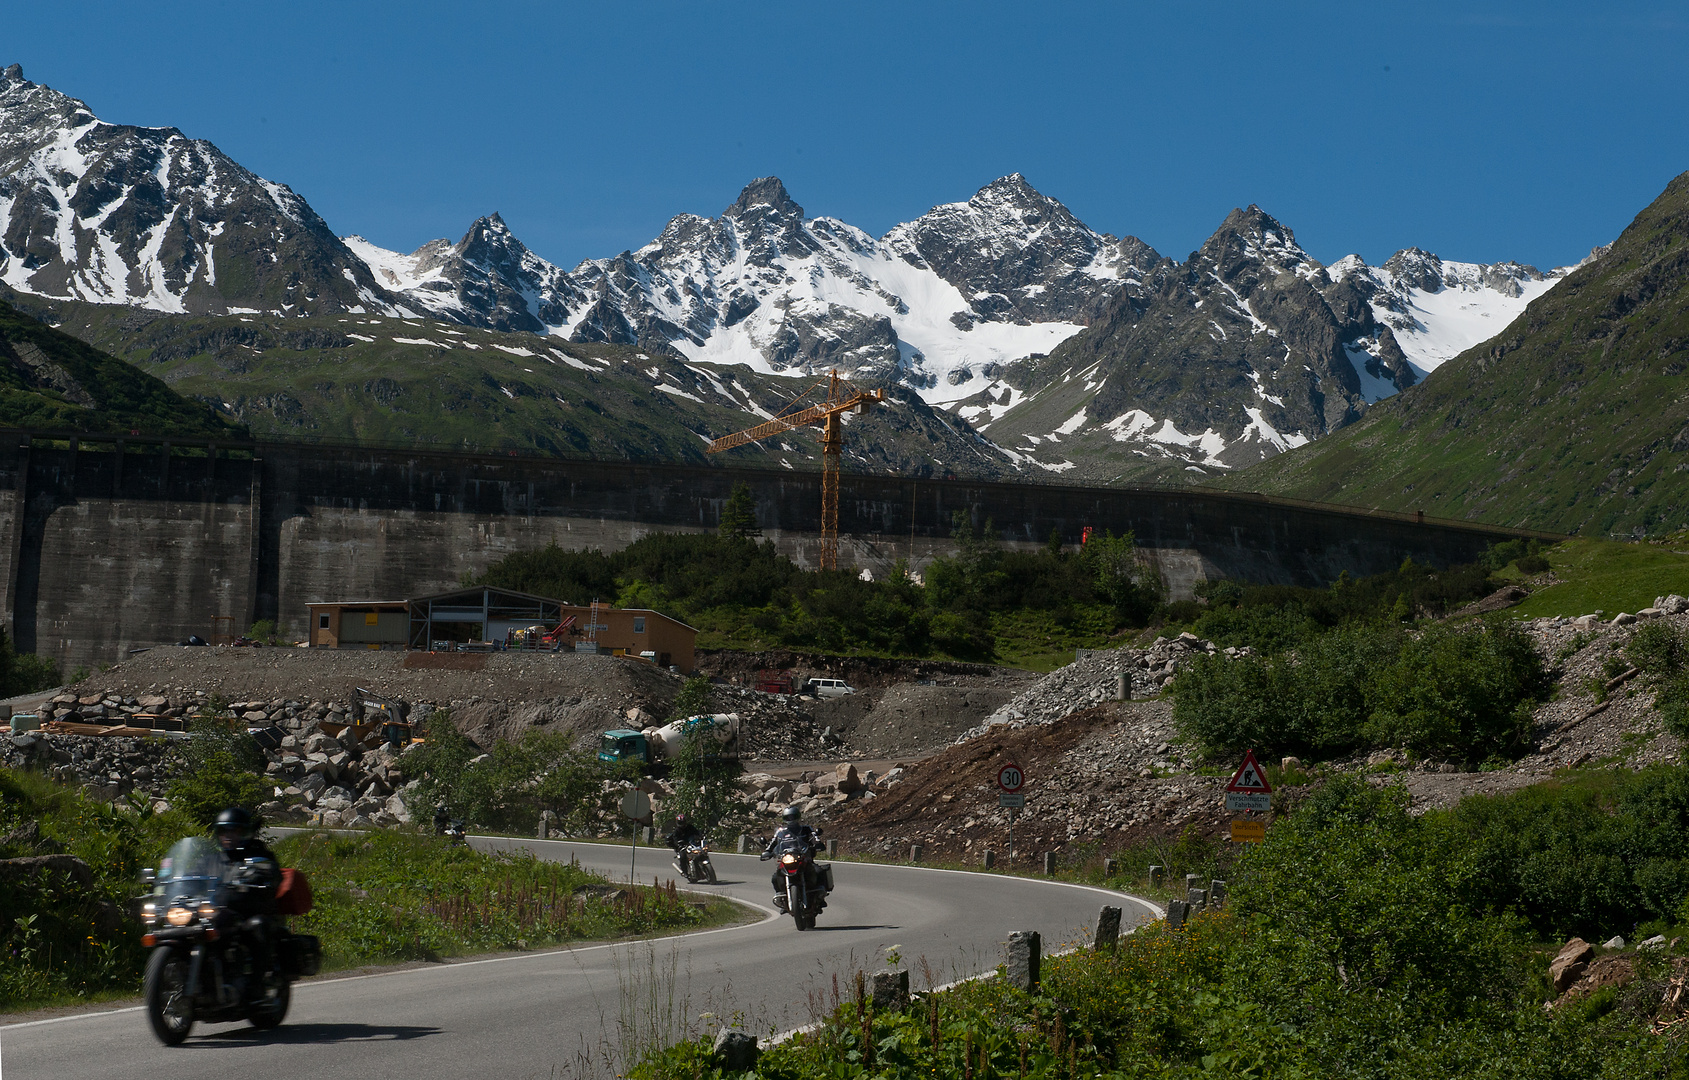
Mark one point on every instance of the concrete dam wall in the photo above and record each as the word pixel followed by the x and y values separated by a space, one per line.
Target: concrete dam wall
pixel 119 544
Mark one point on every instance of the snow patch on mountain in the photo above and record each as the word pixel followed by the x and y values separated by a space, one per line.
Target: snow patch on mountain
pixel 1439 308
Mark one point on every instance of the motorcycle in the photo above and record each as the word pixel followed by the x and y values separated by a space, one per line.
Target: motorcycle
pixel 693 861
pixel 807 882
pixel 453 832
pixel 203 966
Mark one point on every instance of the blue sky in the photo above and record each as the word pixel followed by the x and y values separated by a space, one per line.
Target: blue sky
pixel 1478 131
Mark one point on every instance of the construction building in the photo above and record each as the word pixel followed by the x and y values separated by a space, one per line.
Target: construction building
pixel 489 619
pixel 360 624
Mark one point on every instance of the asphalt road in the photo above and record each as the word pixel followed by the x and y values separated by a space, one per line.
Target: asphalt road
pixel 537 1014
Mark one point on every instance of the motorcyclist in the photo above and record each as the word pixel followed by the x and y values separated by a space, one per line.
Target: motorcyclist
pixel 685 833
pixel 792 835
pixel 253 875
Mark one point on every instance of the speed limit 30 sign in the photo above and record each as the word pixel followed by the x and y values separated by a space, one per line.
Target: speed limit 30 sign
pixel 1010 778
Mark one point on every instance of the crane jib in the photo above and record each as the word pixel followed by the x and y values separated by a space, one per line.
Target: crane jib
pixel 827 414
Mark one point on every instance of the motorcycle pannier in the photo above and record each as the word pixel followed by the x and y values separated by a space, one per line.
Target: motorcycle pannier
pixel 302 954
pixel 827 876
pixel 293 897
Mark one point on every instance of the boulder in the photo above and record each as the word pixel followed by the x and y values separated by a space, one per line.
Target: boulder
pixel 1569 963
pixel 1623 618
pixel 846 780
pixel 35 867
pixel 1673 604
pixel 1614 942
pixel 736 1051
pixel 889 989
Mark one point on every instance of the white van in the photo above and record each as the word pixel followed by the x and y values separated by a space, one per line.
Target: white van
pixel 829 687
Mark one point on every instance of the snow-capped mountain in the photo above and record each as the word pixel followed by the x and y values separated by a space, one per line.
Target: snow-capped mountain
pixel 148 217
pixel 1071 350
pixel 936 304
pixel 1440 309
pixel 1251 347
pixel 488 279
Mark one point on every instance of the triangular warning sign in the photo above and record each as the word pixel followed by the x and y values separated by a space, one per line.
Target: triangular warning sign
pixel 1249 778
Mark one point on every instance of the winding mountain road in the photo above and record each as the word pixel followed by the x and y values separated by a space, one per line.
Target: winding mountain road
pixel 536 1014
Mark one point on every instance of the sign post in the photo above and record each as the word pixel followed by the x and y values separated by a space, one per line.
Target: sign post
pixel 1011 778
pixel 636 805
pixel 1249 793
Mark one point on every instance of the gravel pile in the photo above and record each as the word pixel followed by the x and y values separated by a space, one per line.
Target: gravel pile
pixel 1095 678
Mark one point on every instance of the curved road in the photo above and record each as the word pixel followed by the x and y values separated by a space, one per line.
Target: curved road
pixel 534 1014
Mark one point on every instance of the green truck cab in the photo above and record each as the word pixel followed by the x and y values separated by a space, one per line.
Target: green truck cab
pixel 623 744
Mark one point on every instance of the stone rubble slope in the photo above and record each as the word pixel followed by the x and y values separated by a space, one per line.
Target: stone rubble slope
pixel 1094 678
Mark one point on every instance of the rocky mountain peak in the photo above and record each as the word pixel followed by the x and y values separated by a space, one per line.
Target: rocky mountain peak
pixel 1416 269
pixel 762 197
pixel 1253 241
pixel 12 74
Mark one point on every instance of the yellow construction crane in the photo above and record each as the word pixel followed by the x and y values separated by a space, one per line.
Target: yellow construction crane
pixel 841 398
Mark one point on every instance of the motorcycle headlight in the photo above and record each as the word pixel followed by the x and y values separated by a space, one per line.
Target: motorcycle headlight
pixel 206 911
pixel 149 912
pixel 178 916
pixel 789 860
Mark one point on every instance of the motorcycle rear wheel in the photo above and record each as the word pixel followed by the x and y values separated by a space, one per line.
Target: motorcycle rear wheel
pixel 272 1011
pixel 169 1009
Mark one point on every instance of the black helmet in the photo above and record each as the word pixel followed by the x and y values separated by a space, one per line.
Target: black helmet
pixel 790 815
pixel 235 822
pixel 680 819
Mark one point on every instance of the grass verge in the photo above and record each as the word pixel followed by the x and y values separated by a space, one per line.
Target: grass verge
pixel 68 935
pixel 392 897
pixel 1605 575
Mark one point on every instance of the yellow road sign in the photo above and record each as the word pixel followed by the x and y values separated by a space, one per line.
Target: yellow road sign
pixel 1252 832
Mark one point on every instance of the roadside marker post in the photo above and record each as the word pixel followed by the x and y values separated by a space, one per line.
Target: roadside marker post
pixel 635 804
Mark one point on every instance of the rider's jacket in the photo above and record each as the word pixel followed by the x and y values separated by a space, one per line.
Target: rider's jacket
pixel 802 837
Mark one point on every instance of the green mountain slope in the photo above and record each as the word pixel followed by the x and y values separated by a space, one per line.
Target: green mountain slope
pixel 376 379
pixel 51 380
pixel 1575 418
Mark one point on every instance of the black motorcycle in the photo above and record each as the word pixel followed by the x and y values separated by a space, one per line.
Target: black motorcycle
pixel 203 965
pixel 806 882
pixel 693 860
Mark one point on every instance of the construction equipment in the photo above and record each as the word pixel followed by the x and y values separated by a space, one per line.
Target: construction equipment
pixel 375 719
pixel 770 681
pixel 841 398
pixel 656 744
pixel 540 637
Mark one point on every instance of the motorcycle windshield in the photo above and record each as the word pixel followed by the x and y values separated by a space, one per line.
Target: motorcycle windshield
pixel 192 870
pixel 793 845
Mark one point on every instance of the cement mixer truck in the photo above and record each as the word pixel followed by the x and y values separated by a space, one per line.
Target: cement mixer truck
pixel 656 745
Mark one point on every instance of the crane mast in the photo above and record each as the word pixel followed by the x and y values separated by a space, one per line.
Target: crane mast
pixel 841 398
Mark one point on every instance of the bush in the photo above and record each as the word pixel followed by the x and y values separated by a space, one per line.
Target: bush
pixel 61 940
pixel 1594 856
pixel 220 766
pixel 1461 693
pixel 507 788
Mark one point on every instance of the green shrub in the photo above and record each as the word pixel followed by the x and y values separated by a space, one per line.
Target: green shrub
pixel 1462 693
pixel 508 788
pixel 1457 693
pixel 60 940
pixel 1594 855
pixel 218 766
